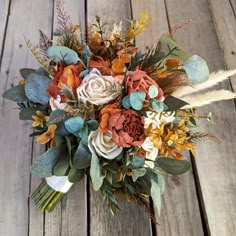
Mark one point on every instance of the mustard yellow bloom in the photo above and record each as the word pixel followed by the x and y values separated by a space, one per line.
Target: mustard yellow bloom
pixel 39 119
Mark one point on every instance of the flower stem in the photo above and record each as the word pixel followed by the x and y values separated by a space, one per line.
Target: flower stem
pixel 46 198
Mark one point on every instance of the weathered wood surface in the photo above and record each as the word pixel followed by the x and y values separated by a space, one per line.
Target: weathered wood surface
pixel 215 164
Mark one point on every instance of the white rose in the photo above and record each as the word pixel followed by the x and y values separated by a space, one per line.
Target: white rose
pixel 103 145
pixel 151 152
pixel 56 104
pixel 97 89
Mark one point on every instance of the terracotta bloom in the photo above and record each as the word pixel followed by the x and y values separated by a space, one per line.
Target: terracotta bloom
pixel 127 128
pixel 139 81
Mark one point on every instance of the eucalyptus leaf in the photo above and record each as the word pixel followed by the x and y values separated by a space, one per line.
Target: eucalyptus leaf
pixel 27 113
pixel 43 167
pixel 74 124
pixel 126 102
pixel 138 162
pixel 82 157
pixel 92 125
pixel 153 91
pixel 75 175
pixel 36 86
pixel 136 173
pixel 96 172
pixel 83 134
pixel 173 166
pixel 86 55
pixel 61 129
pixel 53 118
pixel 62 53
pixel 62 166
pixel 24 72
pixel 136 100
pixel 68 92
pixel 157 105
pixel 156 195
pixel 196 69
pixel 16 94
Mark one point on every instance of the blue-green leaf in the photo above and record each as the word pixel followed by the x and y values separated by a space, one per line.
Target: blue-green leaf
pixel 158 106
pixel 174 103
pixel 138 162
pixel 36 86
pixel 16 94
pixel 173 166
pixel 136 173
pixel 136 100
pixel 156 195
pixel 93 125
pixel 96 173
pixel 86 55
pixel 153 91
pixel 74 124
pixel 196 69
pixel 43 167
pixel 62 53
pixel 24 72
pixel 126 102
pixel 82 157
pixel 55 115
pixel 75 175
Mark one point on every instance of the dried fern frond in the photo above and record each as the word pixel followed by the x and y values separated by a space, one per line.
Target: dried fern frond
pixel 36 53
pixel 44 44
pixel 63 19
pixel 198 100
pixel 173 82
pixel 151 57
pixel 214 79
pixel 196 137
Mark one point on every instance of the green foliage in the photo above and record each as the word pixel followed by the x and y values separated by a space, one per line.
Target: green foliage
pixel 136 100
pixel 158 105
pixel 96 174
pixel 43 167
pixel 62 166
pixel 68 92
pixel 62 53
pixel 36 86
pixel 27 113
pixel 126 102
pixel 156 195
pixel 136 173
pixel 82 157
pixel 53 118
pixel 74 124
pixel 83 134
pixel 196 69
pixel 137 162
pixel 16 94
pixel 173 166
pixel 174 103
pixel 75 175
pixel 86 55
pixel 152 91
pixel 24 72
pixel 92 125
pixel 61 129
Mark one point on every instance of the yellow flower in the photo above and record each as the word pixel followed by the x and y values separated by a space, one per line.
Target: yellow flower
pixel 138 26
pixel 48 135
pixel 39 119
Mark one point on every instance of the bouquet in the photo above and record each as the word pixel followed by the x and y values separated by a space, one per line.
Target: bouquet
pixel 108 111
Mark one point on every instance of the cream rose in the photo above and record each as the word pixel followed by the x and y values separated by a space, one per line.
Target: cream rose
pixel 97 89
pixel 151 152
pixel 56 104
pixel 103 145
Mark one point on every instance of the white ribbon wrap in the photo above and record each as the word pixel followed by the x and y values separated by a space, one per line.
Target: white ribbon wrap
pixel 59 183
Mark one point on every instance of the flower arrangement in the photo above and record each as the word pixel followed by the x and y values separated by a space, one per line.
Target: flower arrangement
pixel 108 111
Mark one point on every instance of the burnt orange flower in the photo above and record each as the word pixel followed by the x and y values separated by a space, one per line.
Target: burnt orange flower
pixel 127 128
pixel 48 135
pixel 170 64
pixel 105 115
pixel 139 81
pixel 102 65
pixel 68 75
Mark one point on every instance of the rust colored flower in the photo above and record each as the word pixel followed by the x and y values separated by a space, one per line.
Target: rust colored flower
pixel 68 75
pixel 127 128
pixel 105 115
pixel 139 81
pixel 102 65
pixel 48 135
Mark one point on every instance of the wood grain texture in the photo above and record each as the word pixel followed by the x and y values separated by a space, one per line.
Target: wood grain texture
pixel 224 17
pixel 102 223
pixel 183 218
pixel 70 217
pixel 4 12
pixel 15 144
pixel 215 162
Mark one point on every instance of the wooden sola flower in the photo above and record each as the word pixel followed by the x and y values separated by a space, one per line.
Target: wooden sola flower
pixel 107 110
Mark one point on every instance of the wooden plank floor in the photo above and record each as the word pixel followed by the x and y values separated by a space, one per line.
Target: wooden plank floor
pixel 201 202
